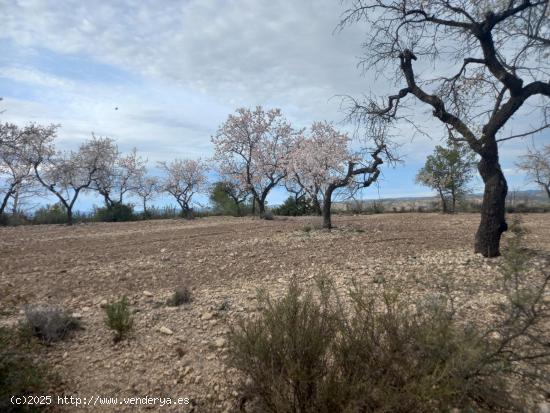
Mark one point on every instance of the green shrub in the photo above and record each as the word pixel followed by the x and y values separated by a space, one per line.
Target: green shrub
pixel 165 212
pixel 116 213
pixel 48 323
pixel 293 207
pixel 20 373
pixel 181 295
pixel 374 352
pixel 119 318
pixel 50 214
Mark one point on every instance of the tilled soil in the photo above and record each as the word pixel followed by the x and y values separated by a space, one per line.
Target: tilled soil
pixel 223 261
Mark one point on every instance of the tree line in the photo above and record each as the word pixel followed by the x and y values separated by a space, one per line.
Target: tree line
pixel 254 152
pixel 489 61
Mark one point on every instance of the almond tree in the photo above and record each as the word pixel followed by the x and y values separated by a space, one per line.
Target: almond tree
pixel 120 177
pixel 537 165
pixel 252 148
pixel 487 59
pixel 323 162
pixel 146 187
pixel 16 168
pixel 67 174
pixel 183 179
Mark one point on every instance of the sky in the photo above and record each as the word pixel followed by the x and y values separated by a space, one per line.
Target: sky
pixel 162 75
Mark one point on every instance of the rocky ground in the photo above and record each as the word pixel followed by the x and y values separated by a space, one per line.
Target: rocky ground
pixel 180 351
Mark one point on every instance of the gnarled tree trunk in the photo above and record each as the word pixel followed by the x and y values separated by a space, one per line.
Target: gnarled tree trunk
pixel 493 208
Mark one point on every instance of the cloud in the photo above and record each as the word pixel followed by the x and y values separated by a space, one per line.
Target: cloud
pixel 175 69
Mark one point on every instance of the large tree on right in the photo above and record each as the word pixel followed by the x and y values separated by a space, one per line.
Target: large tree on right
pixel 480 62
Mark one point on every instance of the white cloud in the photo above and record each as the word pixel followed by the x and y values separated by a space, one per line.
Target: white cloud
pixel 196 60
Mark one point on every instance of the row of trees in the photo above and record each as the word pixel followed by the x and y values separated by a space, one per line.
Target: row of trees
pixel 30 164
pixel 255 151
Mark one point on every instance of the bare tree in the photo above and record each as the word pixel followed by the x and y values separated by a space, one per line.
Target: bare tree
pixel 252 148
pixel 67 174
pixel 537 166
pixel 500 50
pixel 323 162
pixel 146 188
pixel 16 167
pixel 183 179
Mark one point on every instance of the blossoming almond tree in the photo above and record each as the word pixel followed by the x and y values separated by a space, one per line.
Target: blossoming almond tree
pixel 252 147
pixel 323 161
pixel 183 179
pixel 122 176
pixel 67 174
pixel 16 173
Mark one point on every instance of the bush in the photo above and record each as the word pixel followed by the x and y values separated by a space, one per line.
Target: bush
pixel 119 318
pixel 48 323
pixel 20 374
pixel 50 214
pixel 182 295
pixel 377 353
pixel 165 212
pixel 116 213
pixel 293 207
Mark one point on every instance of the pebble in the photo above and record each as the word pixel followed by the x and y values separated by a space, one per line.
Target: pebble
pixel 220 342
pixel 147 293
pixel 207 316
pixel 166 330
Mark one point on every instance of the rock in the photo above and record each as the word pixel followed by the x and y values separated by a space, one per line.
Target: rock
pixel 166 330
pixel 103 303
pixel 495 335
pixel 207 316
pixel 220 342
pixel 163 250
pixel 544 407
pixel 78 316
pixel 147 293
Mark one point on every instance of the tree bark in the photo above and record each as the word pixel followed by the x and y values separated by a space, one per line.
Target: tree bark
pixel 69 216
pixel 327 204
pixel 493 208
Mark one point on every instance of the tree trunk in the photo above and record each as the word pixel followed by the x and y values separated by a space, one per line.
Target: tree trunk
pixel 69 216
pixel 4 202
pixel 547 188
pixel 493 208
pixel 261 207
pixel 144 209
pixel 327 204
pixel 443 203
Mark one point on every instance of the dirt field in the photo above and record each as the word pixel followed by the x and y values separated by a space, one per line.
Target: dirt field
pixel 80 268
